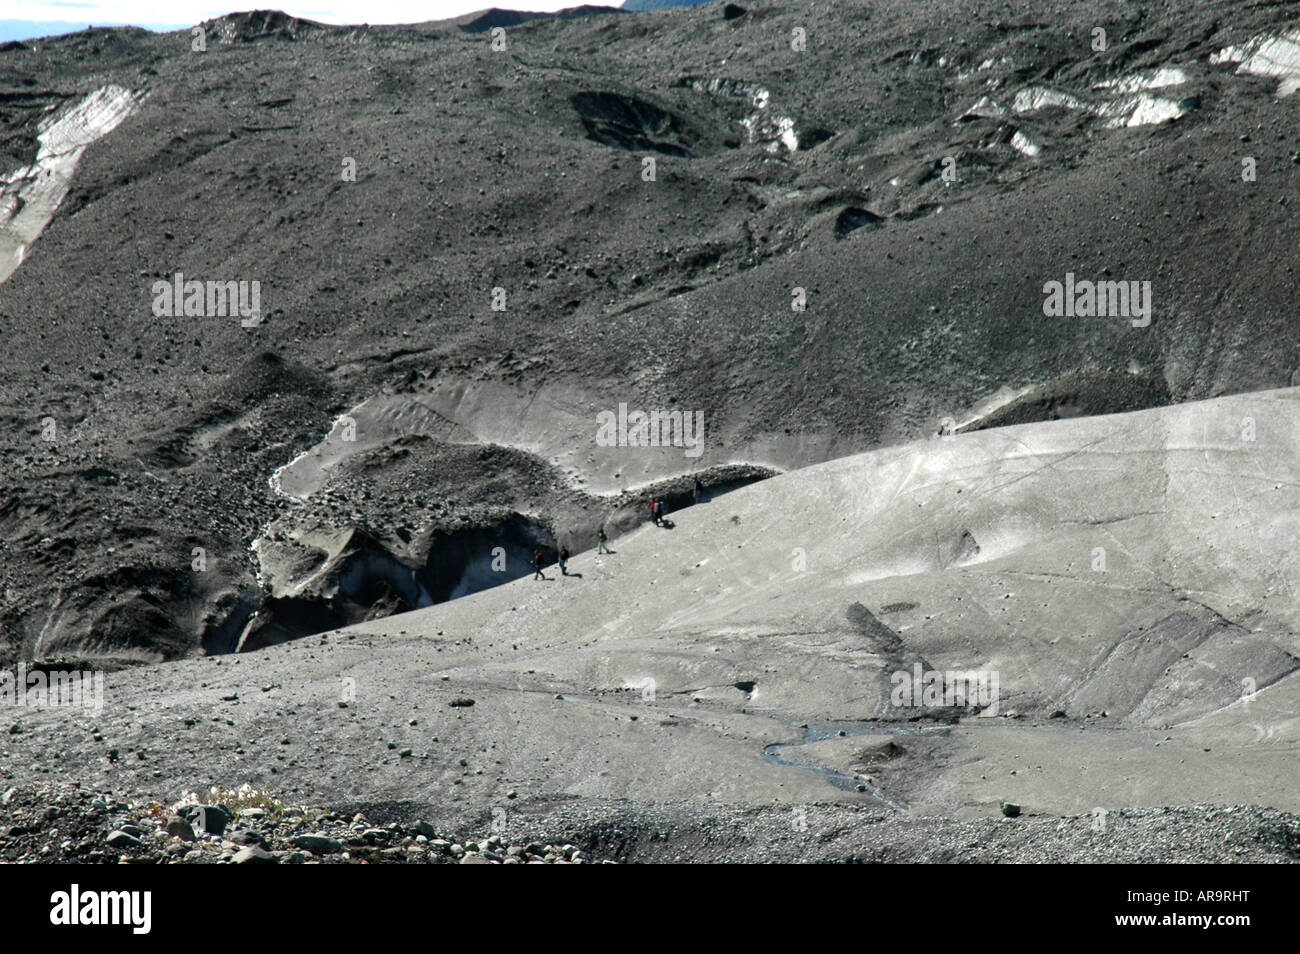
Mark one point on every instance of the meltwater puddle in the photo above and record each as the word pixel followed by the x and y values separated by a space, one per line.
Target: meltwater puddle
pixel 849 783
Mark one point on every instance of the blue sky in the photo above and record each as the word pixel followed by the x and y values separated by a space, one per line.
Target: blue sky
pixel 188 12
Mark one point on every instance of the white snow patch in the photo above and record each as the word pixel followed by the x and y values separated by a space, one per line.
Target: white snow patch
pixel 986 108
pixel 788 137
pixel 772 132
pixel 1264 55
pixel 1140 110
pixel 1034 98
pixel 256 549
pixel 739 89
pixel 1021 144
pixel 30 195
pixel 1229 54
pixel 1148 111
pixel 1136 83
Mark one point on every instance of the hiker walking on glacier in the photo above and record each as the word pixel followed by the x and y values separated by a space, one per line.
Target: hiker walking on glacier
pixel 564 560
pixel 538 560
pixel 601 540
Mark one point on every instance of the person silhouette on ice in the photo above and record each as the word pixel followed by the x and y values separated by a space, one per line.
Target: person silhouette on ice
pixel 537 564
pixel 601 540
pixel 564 559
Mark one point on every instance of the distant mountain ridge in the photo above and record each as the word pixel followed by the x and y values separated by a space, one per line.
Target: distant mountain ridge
pixel 477 22
pixel 640 6
pixel 484 20
pixel 36 29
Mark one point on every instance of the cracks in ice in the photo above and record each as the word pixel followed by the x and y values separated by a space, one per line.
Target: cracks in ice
pixel 1263 55
pixel 30 195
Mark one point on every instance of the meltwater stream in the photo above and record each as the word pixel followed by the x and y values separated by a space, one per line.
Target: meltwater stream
pixel 842 781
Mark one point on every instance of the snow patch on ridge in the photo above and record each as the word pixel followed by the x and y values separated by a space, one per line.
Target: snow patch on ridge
pixel 30 195
pixel 1020 142
pixel 1132 106
pixel 1264 55
pixel 771 131
pixel 986 108
pixel 1149 111
pixel 1136 83
pixel 1127 111
pixel 1035 98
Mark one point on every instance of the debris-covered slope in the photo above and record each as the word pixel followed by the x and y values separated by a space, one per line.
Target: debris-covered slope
pixel 1036 615
pixel 911 176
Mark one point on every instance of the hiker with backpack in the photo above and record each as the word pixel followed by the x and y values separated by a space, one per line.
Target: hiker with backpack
pixel 659 512
pixel 601 540
pixel 538 560
pixel 564 559
pixel 654 511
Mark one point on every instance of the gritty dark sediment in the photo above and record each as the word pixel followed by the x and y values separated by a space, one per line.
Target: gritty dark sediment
pixel 58 824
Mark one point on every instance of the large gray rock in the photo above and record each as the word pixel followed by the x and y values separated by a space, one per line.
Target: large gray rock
pixel 253 855
pixel 121 839
pixel 316 844
pixel 243 836
pixel 208 819
pixel 178 827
